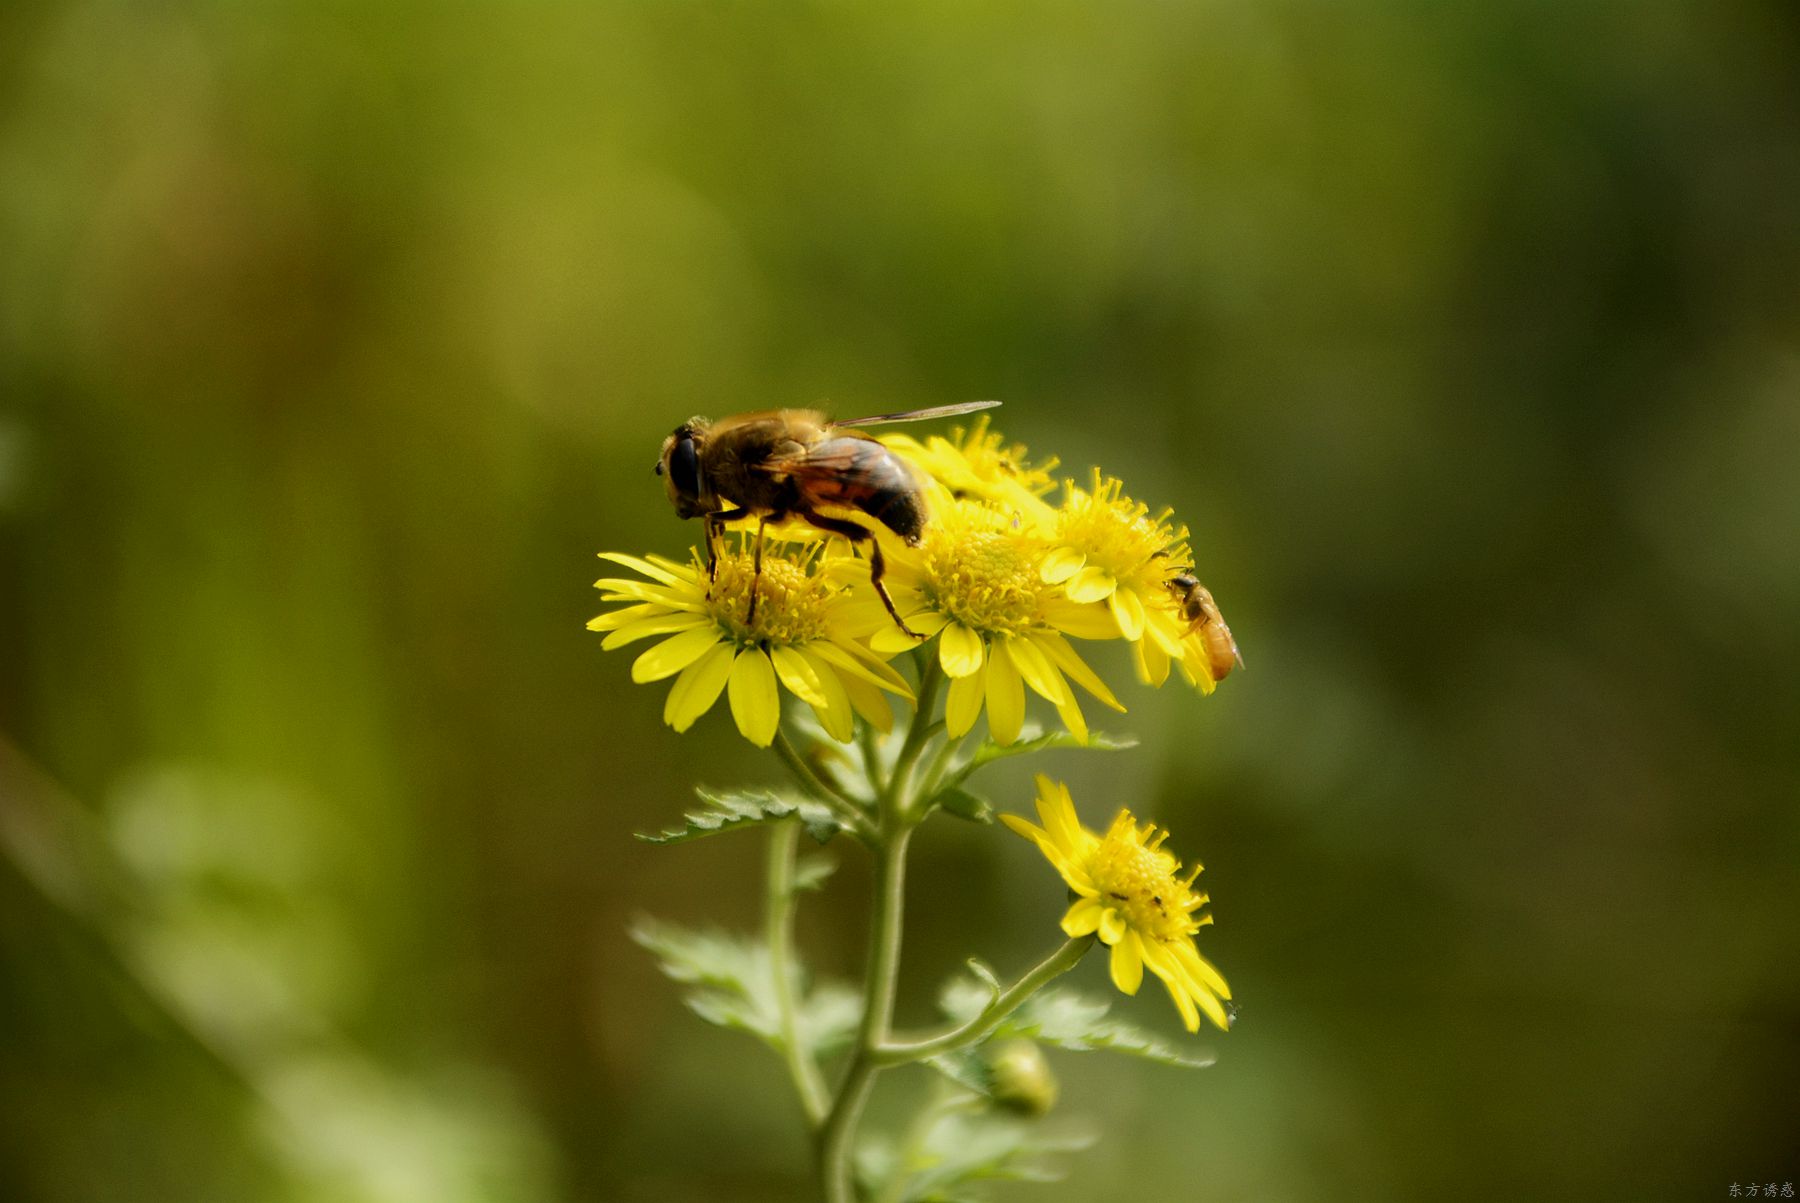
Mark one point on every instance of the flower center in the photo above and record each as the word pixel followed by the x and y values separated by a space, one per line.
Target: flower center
pixel 791 604
pixel 1122 536
pixel 1141 882
pixel 985 579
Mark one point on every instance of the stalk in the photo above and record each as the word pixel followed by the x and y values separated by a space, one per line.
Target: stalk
pixel 837 1139
pixel 779 904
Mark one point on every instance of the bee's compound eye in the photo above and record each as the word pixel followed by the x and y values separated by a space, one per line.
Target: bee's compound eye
pixel 684 467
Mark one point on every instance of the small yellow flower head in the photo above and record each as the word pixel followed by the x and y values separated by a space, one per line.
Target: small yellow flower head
pixel 797 638
pixel 1112 549
pixel 976 582
pixel 1131 895
pixel 982 464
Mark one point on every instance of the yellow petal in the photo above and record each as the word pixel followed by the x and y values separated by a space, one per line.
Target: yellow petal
pixel 1057 811
pixel 653 571
pixel 851 659
pixel 1190 1018
pixel 1128 963
pixel 1035 667
pixel 1151 660
pixel 1069 710
pixel 1128 611
pixel 1005 700
pixel 890 640
pixel 1065 658
pixel 1090 585
pixel 1082 918
pixel 698 686
pixel 1081 621
pixel 798 674
pixel 833 708
pixel 1112 926
pixel 1201 970
pixel 1060 563
pixel 960 651
pixel 963 705
pixel 869 702
pixel 656 624
pixel 614 619
pixel 755 703
pixel 672 655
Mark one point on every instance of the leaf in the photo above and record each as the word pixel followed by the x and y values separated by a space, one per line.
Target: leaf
pixel 967 1069
pixel 958 1151
pixel 811 872
pixel 1096 742
pixel 732 984
pixel 964 805
pixel 744 808
pixel 1067 1020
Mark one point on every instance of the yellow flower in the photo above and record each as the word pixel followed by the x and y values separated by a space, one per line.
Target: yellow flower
pixel 1112 549
pixel 982 464
pixel 974 581
pixel 798 638
pixel 1129 893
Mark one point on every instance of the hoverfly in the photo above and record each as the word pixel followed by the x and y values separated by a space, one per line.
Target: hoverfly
pixel 786 463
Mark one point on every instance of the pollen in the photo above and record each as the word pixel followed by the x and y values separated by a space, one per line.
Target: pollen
pixel 985 574
pixel 792 604
pixel 1139 879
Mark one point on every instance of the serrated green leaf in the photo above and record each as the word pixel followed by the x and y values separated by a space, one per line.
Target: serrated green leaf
pixel 960 1150
pixel 960 802
pixel 745 808
pixel 967 1069
pixel 1067 1020
pixel 1097 742
pixel 731 983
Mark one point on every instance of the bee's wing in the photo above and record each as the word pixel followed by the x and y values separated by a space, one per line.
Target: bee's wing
pixel 844 470
pixel 919 415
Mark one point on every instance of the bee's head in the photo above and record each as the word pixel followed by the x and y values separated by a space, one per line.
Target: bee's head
pixel 679 466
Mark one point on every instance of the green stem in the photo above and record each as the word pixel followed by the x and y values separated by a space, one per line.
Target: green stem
pixel 934 775
pixel 779 904
pixel 837 1139
pixel 931 681
pixel 836 799
pixel 978 1028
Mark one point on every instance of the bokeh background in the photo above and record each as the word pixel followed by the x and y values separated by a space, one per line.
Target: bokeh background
pixel 335 339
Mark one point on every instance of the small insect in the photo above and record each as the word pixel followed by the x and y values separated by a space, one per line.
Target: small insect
pixel 782 463
pixel 1202 612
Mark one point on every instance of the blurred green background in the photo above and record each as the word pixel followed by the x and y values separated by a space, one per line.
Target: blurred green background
pixel 335 339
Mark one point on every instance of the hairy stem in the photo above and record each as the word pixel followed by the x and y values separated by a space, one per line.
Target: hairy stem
pixel 978 1028
pixel 779 904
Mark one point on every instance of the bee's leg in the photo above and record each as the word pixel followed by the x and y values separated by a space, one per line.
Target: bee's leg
pixel 715 527
pixel 877 565
pixel 756 577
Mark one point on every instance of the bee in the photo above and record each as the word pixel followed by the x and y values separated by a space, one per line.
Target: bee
pixel 787 463
pixel 1202 612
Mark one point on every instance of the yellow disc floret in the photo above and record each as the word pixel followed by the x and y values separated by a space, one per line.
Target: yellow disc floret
pixel 1132 872
pixel 792 605
pixel 982 572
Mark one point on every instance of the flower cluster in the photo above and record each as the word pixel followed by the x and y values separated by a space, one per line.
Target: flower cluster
pixel 1001 579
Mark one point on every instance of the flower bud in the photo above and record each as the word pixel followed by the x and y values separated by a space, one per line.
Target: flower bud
pixel 1023 1082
